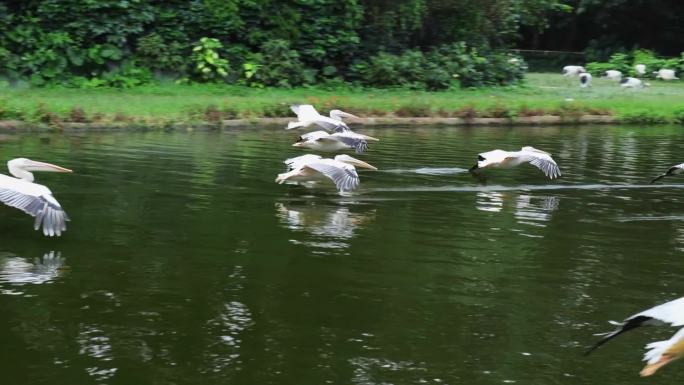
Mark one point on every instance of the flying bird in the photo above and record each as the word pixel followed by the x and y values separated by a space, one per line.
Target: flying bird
pixel 674 170
pixel 323 141
pixel 659 353
pixel 34 199
pixel 311 168
pixel 499 158
pixel 307 116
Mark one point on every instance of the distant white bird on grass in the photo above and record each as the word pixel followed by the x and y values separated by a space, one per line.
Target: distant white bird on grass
pixel 323 141
pixel 307 116
pixel 674 170
pixel 614 75
pixel 640 69
pixel 499 158
pixel 666 74
pixel 585 79
pixel 312 168
pixel 573 70
pixel 630 82
pixel 34 199
pixel 659 353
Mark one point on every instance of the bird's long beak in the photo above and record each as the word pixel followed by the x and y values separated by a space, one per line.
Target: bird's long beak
pixel 369 137
pixel 46 167
pixel 360 163
pixel 298 144
pixel 347 114
pixel 474 168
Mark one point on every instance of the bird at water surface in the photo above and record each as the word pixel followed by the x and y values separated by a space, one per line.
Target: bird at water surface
pixel 499 158
pixel 34 199
pixel 323 141
pixel 659 353
pixel 307 116
pixel 311 168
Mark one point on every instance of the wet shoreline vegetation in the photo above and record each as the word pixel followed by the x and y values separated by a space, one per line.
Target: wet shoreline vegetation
pixel 164 106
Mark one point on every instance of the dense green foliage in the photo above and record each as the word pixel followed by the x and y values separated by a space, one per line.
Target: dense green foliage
pixel 430 44
pixel 625 63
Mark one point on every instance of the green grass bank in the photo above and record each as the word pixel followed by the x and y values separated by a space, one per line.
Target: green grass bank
pixel 541 95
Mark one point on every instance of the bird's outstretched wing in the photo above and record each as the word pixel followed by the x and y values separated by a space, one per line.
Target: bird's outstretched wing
pixel 304 111
pixel 47 211
pixel 346 179
pixel 668 313
pixel 300 161
pixel 541 160
pixel 357 143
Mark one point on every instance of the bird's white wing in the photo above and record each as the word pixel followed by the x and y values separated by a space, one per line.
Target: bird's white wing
pixel 670 313
pixel 314 135
pixel 305 112
pixel 345 177
pixel 301 161
pixel 656 349
pixel 541 160
pixel 37 201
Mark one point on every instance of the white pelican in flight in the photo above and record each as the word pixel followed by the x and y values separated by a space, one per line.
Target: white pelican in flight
pixel 323 141
pixel 32 198
pixel 659 353
pixel 499 158
pixel 674 170
pixel 307 115
pixel 341 170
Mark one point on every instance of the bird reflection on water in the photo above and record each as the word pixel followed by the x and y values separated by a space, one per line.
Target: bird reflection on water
pixel 332 223
pixel 18 270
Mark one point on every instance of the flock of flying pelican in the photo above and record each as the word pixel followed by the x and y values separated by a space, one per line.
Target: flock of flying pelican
pixel 20 191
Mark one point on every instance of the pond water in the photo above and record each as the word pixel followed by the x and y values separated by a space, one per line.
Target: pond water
pixel 185 263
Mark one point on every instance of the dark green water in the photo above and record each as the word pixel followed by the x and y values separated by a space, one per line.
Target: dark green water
pixel 185 263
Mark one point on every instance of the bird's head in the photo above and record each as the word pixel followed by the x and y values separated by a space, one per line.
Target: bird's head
pixel 484 160
pixel 354 162
pixel 22 168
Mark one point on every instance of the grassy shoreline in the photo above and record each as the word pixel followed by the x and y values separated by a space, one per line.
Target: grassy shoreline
pixel 543 95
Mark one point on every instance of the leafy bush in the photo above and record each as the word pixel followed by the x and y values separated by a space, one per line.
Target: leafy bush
pixel 158 55
pixel 598 69
pixel 620 62
pixel 441 68
pixel 626 62
pixel 278 65
pixel 209 66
